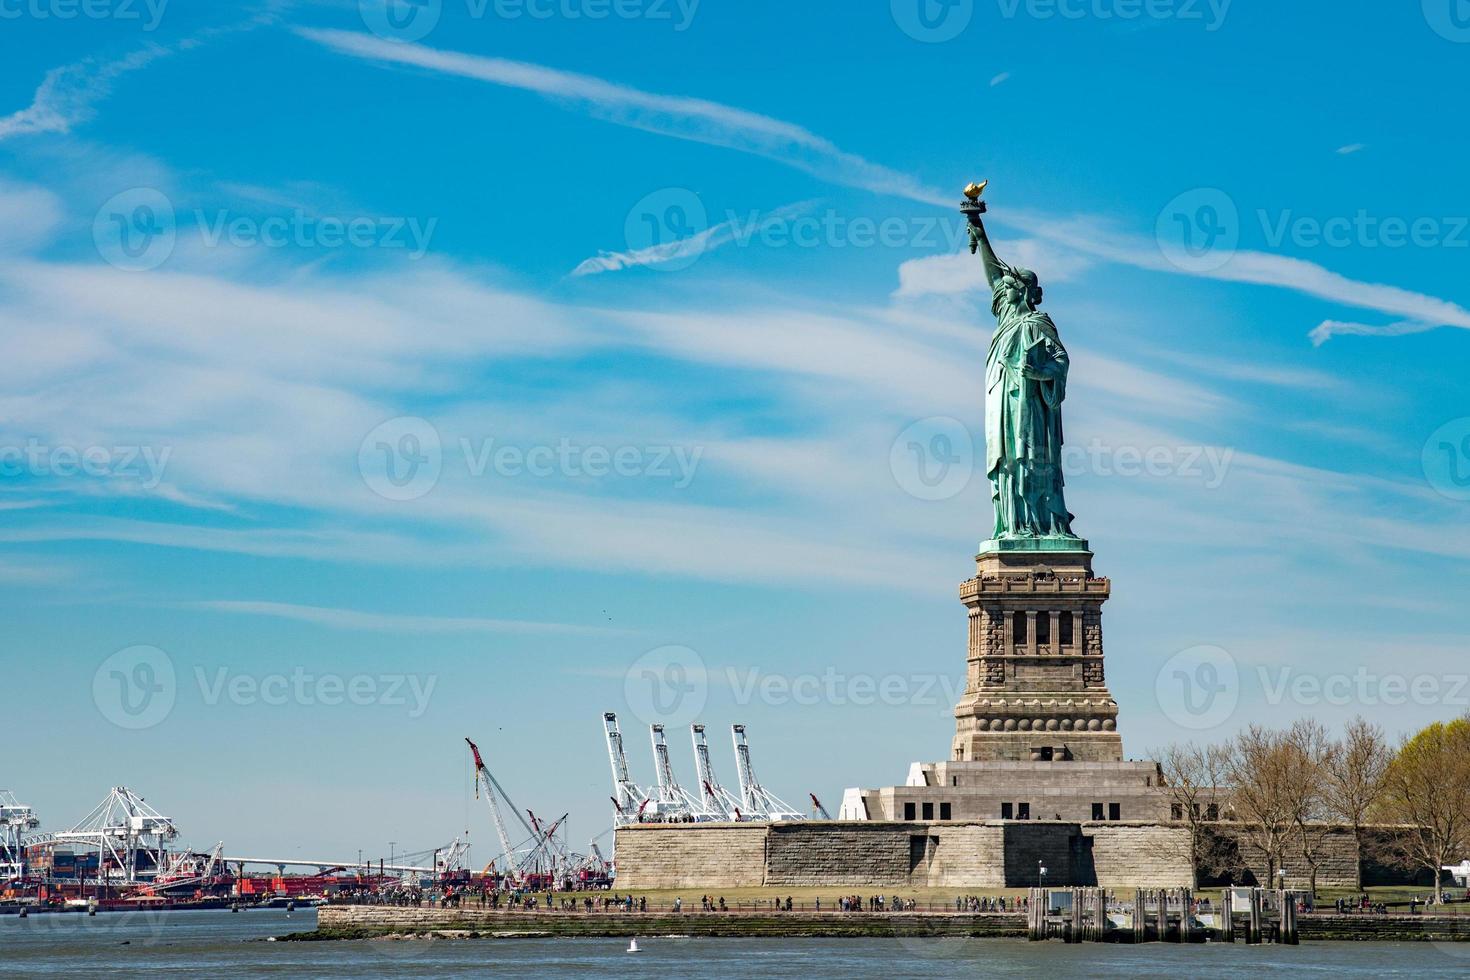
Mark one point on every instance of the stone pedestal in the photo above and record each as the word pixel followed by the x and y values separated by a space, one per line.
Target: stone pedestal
pixel 1035 688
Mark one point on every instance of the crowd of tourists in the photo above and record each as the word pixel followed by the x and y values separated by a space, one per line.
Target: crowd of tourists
pixel 976 903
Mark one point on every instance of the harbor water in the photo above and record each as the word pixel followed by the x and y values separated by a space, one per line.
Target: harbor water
pixel 221 943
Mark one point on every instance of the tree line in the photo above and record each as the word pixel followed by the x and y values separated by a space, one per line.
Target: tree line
pixel 1286 790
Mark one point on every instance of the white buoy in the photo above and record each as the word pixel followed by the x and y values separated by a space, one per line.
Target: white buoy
pixel 633 947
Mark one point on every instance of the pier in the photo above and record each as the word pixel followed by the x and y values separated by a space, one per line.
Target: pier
pixel 1162 915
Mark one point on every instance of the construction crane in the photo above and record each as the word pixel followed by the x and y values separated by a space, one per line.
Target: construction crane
pixel 760 803
pixel 627 799
pixel 716 802
pixel 482 775
pixel 817 809
pixel 543 861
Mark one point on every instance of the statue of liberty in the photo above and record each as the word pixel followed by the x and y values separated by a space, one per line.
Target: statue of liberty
pixel 1025 383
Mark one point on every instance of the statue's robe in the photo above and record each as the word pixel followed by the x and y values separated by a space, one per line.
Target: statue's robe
pixel 1025 382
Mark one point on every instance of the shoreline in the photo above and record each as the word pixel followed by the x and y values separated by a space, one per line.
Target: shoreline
pixel 386 922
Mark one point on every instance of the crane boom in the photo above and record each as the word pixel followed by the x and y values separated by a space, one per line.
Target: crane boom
pixel 716 802
pixel 628 800
pixel 483 773
pixel 759 802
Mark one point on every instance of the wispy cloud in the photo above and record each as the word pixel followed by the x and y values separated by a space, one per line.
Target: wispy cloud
pixel 1255 373
pixel 717 124
pixel 1328 329
pixel 354 619
pixel 67 95
pixel 683 117
pixel 1351 148
pixel 1257 268
pixel 998 79
pixel 693 246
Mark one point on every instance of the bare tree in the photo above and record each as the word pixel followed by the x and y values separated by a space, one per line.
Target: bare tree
pixel 1192 776
pixel 1353 773
pixel 1303 754
pixel 1261 773
pixel 1427 786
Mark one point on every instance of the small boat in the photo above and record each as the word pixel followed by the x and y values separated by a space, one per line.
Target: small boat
pixel 633 947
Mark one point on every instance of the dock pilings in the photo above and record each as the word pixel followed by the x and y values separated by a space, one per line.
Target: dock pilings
pixel 1079 915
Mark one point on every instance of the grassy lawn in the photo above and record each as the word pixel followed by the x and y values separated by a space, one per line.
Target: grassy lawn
pixel 1395 895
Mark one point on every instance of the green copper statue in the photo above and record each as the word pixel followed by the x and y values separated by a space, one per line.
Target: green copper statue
pixel 1025 382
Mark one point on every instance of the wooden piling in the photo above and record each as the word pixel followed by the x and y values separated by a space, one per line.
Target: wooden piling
pixel 1227 917
pixel 1163 896
pixel 1140 926
pixel 1253 925
pixel 1289 934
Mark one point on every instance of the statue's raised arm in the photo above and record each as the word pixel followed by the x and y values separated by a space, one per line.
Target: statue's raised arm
pixel 973 209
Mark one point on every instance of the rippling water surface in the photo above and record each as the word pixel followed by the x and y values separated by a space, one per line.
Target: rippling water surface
pixel 191 944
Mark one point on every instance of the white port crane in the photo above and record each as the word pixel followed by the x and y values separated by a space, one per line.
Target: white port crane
pixel 126 833
pixel 15 819
pixel 671 802
pixel 667 801
pixel 628 800
pixel 716 802
pixel 759 802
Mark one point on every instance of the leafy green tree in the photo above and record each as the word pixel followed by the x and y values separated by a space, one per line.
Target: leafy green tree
pixel 1427 788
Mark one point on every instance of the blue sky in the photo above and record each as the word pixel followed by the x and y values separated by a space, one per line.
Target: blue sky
pixel 250 257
